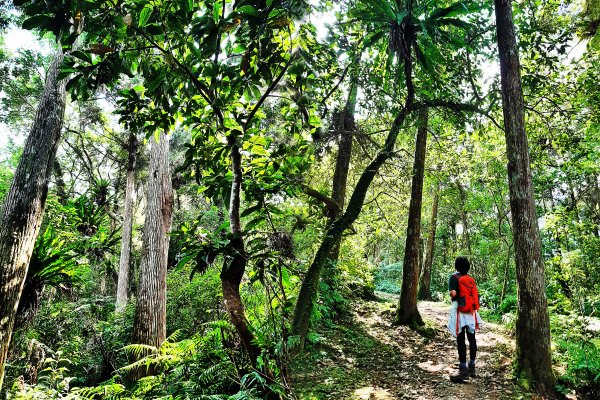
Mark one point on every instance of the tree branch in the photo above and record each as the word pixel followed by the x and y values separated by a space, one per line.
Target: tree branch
pixel 328 201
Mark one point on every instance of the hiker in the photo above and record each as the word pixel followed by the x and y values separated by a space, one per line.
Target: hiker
pixel 464 318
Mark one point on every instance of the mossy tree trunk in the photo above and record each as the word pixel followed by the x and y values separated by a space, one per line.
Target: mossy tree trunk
pixel 345 125
pixel 233 270
pixel 408 314
pixel 25 202
pixel 534 361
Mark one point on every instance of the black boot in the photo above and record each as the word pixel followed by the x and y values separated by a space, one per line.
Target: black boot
pixel 471 371
pixel 463 375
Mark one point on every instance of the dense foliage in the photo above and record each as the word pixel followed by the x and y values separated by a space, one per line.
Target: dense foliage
pixel 256 96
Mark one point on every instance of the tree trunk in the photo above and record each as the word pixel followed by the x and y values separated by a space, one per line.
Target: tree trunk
pixel 233 271
pixel 407 310
pixel 125 259
pixel 345 128
pixel 150 315
pixel 310 284
pixel 534 362
pixel 425 284
pixel 463 216
pixel 24 204
pixel 505 279
pixel 61 191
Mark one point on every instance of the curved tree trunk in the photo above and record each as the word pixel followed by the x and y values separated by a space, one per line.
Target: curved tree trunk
pixel 425 283
pixel 534 362
pixel 150 315
pixel 25 202
pixel 408 313
pixel 233 271
pixel 310 284
pixel 125 259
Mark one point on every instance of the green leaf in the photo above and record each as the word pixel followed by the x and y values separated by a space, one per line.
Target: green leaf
pixel 252 224
pixel 185 260
pixel 250 210
pixel 458 8
pixel 459 23
pixel 37 21
pixel 314 120
pixel 248 10
pixel 401 15
pixel 82 56
pixel 145 15
pixel 217 11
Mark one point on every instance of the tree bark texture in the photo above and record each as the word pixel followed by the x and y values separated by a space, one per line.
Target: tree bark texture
pixel 310 284
pixel 234 268
pixel 24 204
pixel 425 283
pixel 407 311
pixel 150 315
pixel 534 362
pixel 125 258
pixel 61 190
pixel 463 216
pixel 345 129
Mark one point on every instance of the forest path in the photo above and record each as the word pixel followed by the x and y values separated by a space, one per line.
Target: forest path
pixel 365 357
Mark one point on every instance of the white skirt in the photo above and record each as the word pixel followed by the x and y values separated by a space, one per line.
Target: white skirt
pixel 458 320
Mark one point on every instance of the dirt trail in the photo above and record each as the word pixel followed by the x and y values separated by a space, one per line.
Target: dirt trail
pixel 367 358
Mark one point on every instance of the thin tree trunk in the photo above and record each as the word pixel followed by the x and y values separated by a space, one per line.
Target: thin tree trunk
pixel 425 283
pixel 61 191
pixel 534 362
pixel 24 204
pixel 463 216
pixel 310 284
pixel 233 271
pixel 345 128
pixel 408 313
pixel 596 205
pixel 125 259
pixel 150 315
pixel 466 236
pixel 505 280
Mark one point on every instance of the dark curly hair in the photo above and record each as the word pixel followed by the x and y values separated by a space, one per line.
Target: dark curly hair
pixel 462 265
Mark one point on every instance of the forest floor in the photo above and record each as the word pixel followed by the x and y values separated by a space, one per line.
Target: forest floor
pixel 365 357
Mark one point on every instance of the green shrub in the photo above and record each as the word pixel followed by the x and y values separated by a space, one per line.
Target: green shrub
pixel 509 304
pixel 582 362
pixel 388 277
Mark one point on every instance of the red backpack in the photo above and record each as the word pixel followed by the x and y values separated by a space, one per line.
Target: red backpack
pixel 468 296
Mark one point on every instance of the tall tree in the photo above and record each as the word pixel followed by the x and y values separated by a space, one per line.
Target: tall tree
pixel 407 309
pixel 25 202
pixel 345 127
pixel 534 360
pixel 125 259
pixel 233 269
pixel 425 282
pixel 150 315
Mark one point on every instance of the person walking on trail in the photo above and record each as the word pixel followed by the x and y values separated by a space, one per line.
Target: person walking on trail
pixel 464 317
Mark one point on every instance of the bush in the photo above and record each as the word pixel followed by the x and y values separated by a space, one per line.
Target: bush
pixel 582 361
pixel 509 304
pixel 387 278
